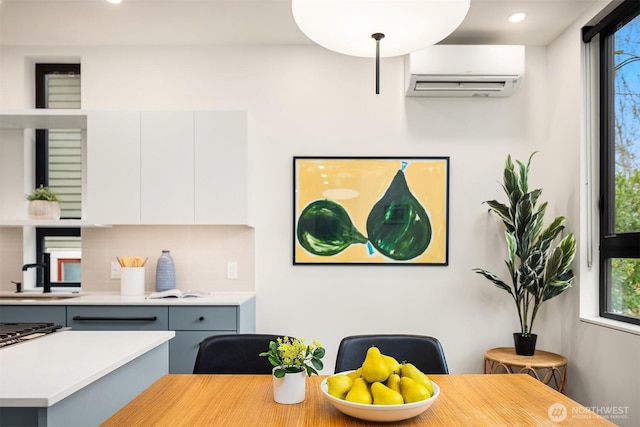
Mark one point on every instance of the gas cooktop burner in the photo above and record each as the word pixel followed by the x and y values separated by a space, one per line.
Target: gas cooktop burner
pixel 13 333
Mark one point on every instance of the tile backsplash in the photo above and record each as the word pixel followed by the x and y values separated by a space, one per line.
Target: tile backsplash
pixel 10 257
pixel 200 254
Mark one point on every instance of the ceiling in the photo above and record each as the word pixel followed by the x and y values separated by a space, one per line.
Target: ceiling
pixel 487 23
pixel 28 22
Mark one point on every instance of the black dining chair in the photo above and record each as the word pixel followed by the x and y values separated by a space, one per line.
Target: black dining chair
pixel 424 352
pixel 234 354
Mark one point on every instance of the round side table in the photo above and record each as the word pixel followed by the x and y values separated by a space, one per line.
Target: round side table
pixel 550 368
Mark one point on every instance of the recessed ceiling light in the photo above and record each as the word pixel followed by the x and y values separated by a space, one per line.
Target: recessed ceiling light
pixel 115 1
pixel 517 17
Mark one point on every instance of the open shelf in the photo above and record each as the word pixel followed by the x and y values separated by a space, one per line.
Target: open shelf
pixel 53 223
pixel 43 118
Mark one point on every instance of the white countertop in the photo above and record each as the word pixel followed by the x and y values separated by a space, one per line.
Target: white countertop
pixel 114 298
pixel 45 370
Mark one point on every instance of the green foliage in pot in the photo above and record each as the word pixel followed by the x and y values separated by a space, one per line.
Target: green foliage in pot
pixel 43 193
pixel 538 270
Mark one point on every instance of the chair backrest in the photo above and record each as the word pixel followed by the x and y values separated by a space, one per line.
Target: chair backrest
pixel 234 354
pixel 424 352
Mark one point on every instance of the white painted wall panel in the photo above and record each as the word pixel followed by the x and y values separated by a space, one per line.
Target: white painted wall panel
pixel 12 185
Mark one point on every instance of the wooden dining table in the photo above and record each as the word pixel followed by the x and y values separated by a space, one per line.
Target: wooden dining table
pixel 247 400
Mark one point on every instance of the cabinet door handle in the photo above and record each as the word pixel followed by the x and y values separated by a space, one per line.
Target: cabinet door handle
pixel 201 318
pixel 117 319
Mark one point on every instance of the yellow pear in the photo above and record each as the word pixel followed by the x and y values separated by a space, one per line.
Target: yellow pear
pixel 339 385
pixel 409 370
pixel 374 367
pixel 383 395
pixel 413 391
pixel 359 392
pixel 392 364
pixel 355 374
pixel 393 382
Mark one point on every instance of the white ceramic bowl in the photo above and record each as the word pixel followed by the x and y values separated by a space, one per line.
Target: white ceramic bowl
pixel 380 413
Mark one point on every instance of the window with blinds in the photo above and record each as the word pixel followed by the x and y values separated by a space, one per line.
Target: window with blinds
pixel 64 145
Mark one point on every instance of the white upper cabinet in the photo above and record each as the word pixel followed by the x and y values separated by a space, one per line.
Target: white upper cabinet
pixel 221 175
pixel 113 167
pixel 167 167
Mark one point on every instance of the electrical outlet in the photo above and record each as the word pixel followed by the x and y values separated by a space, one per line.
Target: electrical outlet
pixel 232 270
pixel 115 270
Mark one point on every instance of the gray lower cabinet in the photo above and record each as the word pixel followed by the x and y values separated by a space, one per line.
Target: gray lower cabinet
pixel 191 323
pixel 33 314
pixel 117 318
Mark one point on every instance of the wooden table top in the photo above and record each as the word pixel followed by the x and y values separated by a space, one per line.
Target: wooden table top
pixel 540 359
pixel 247 400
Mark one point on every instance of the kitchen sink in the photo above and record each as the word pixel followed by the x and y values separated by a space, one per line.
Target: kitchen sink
pixel 40 297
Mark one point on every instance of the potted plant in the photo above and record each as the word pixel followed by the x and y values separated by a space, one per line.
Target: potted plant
pixel 293 361
pixel 44 203
pixel 538 269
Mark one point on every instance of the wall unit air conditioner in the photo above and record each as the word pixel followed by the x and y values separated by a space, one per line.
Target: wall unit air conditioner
pixel 465 71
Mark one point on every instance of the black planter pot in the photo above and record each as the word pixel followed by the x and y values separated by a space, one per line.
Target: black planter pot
pixel 525 346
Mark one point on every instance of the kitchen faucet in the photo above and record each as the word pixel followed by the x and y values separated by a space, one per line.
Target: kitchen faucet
pixel 46 271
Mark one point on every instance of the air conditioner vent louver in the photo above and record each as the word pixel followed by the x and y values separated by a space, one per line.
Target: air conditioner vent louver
pixel 460 86
pixel 465 71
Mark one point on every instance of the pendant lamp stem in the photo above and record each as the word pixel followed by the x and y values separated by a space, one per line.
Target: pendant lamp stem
pixel 377 37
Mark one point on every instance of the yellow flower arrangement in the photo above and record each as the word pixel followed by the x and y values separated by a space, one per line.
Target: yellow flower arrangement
pixel 291 355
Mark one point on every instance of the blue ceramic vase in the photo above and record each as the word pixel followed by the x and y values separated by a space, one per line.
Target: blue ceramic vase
pixel 165 273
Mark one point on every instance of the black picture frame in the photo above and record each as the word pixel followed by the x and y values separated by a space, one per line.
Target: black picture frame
pixel 371 210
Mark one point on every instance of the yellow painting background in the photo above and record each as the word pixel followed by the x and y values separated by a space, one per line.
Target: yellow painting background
pixel 334 179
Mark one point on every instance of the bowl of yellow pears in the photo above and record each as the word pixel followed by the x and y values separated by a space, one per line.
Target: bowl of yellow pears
pixel 381 390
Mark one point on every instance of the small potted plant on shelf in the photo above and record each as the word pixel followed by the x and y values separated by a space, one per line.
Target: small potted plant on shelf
pixel 44 203
pixel 538 270
pixel 293 361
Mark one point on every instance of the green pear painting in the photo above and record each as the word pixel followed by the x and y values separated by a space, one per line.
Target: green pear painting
pixel 370 210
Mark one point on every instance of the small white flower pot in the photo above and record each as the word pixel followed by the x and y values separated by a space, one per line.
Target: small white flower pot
pixel 291 388
pixel 44 209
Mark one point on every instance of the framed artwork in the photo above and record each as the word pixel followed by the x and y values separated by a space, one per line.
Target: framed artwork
pixel 371 210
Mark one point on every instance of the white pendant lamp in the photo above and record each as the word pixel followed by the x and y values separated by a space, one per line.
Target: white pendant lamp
pixel 378 28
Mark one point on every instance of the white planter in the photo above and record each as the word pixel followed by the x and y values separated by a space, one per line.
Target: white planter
pixel 44 209
pixel 291 388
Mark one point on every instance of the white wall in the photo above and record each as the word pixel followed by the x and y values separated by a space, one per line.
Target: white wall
pixel 305 100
